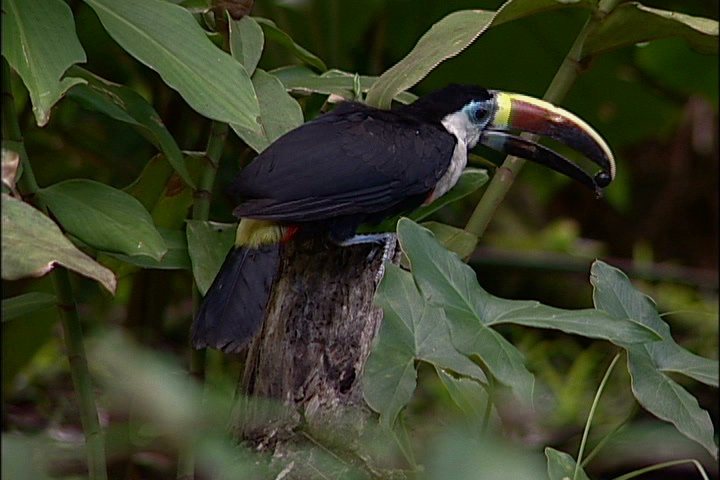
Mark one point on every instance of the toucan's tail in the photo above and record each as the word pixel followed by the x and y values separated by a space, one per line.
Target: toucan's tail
pixel 234 307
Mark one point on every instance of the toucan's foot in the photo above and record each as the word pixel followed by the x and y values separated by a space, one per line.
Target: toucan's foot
pixel 384 239
pixel 376 238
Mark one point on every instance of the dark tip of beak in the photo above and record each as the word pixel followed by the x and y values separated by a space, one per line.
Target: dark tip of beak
pixel 603 179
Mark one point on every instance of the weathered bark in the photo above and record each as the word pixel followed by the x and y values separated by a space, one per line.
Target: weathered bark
pixel 314 343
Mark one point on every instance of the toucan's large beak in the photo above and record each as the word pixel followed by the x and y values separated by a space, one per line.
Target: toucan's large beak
pixel 516 113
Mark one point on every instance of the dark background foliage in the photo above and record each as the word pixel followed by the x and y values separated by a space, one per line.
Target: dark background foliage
pixel 656 104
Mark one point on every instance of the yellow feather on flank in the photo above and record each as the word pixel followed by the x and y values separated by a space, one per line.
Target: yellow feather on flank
pixel 254 233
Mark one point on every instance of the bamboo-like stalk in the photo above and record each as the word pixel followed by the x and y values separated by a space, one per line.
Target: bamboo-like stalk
pixel 201 211
pixel 72 330
pixel 560 85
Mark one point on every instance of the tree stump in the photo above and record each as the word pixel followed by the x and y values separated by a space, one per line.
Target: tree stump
pixel 312 348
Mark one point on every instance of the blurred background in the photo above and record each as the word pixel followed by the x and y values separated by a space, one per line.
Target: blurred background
pixel 655 104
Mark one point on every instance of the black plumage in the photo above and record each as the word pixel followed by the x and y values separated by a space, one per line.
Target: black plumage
pixel 359 164
pixel 354 161
pixel 228 317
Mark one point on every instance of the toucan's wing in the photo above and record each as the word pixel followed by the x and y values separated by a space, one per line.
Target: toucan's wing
pixel 356 159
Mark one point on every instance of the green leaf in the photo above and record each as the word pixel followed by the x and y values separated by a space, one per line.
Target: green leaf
pixel 412 330
pixel 176 257
pixel 26 303
pixel 561 466
pixel 454 239
pixel 300 79
pixel 445 39
pixel 274 34
pixel 125 105
pixel 449 283
pixel 469 395
pixel 671 357
pixel 667 400
pixel 449 37
pixel 39 42
pixel 246 42
pixel 279 112
pixel 632 23
pixel 167 38
pixel 208 244
pixel 33 244
pixel 104 218
pixel 586 322
pixel 655 390
pixel 614 293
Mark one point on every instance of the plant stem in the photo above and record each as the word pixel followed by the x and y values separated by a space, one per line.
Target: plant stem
pixel 72 330
pixel 560 85
pixel 609 437
pixel 591 414
pixel 660 466
pixel 201 211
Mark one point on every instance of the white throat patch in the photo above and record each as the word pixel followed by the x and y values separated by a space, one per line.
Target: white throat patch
pixel 466 135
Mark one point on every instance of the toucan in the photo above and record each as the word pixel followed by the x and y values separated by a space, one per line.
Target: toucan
pixel 358 164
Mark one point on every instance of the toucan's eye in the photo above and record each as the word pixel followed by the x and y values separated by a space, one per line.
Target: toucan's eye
pixel 481 113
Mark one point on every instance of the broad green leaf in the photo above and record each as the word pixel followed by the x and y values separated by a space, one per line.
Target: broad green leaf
pixel 454 239
pixel 561 466
pixel 469 395
pixel 671 357
pixel 176 257
pixel 163 193
pixel 632 23
pixel 151 182
pixel 450 36
pixel 26 303
pixel 445 39
pixel 614 294
pixel 33 244
pixel 274 34
pixel 104 218
pixel 167 38
pixel 246 42
pixel 586 322
pixel 124 104
pixel 655 390
pixel 279 112
pixel 449 283
pixel 412 330
pixel 300 79
pixel 39 42
pixel 669 401
pixel 172 207
pixel 208 244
